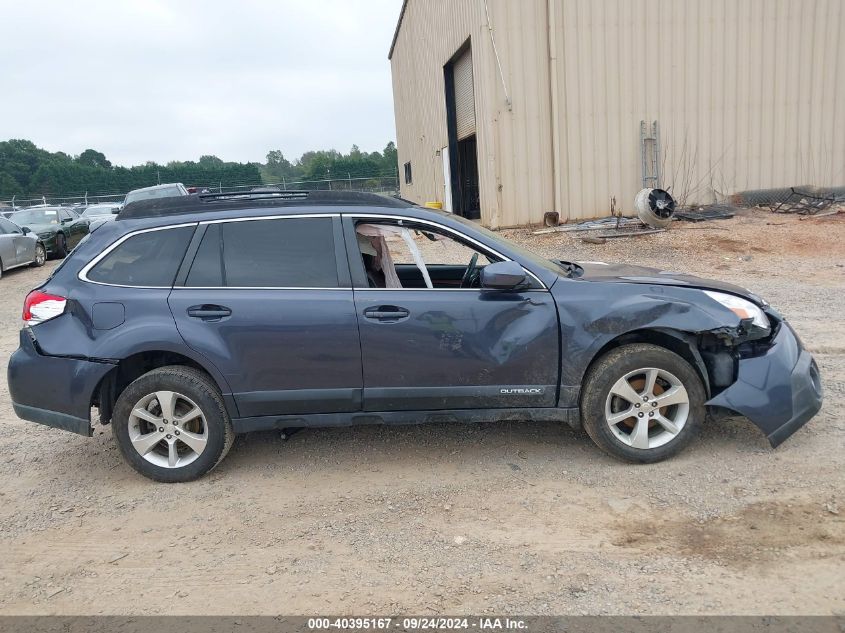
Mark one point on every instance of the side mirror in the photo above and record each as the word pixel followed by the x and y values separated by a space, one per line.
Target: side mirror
pixel 115 211
pixel 503 276
pixel 26 230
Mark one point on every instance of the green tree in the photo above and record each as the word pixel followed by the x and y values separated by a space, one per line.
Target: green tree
pixel 27 170
pixel 93 158
pixel 391 157
pixel 9 187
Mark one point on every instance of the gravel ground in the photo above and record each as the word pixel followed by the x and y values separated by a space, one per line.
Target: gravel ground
pixel 516 518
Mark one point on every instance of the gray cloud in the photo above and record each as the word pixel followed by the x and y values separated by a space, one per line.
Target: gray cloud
pixel 153 80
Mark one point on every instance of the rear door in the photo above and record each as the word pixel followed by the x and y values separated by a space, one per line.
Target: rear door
pixel 269 302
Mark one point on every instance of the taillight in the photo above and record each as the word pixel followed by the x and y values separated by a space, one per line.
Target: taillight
pixel 40 306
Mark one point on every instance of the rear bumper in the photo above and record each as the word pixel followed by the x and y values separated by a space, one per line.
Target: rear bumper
pixel 779 391
pixel 52 390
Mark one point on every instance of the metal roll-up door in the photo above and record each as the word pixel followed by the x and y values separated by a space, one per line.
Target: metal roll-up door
pixel 464 95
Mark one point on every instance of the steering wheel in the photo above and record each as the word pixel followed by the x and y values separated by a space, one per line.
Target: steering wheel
pixel 469 273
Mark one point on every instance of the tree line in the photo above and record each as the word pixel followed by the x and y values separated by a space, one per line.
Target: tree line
pixel 29 171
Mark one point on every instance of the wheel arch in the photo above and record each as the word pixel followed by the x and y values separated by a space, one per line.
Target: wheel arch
pixel 139 363
pixel 684 344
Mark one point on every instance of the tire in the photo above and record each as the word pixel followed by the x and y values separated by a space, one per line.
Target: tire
pixel 138 407
pixel 651 432
pixel 40 256
pixel 61 245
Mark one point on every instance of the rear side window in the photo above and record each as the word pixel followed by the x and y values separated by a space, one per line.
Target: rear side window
pixel 145 259
pixel 279 253
pixel 207 269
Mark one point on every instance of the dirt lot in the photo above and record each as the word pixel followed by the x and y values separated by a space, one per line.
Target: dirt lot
pixel 519 518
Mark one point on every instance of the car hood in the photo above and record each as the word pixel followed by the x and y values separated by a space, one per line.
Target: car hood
pixel 41 228
pixel 626 273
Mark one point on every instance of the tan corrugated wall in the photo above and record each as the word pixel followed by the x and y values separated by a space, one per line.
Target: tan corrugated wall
pixel 514 152
pixel 748 94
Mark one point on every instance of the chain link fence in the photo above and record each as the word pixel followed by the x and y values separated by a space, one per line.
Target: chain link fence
pixel 380 183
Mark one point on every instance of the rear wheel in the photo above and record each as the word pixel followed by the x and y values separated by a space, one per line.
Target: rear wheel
pixel 642 403
pixel 61 245
pixel 40 255
pixel 171 424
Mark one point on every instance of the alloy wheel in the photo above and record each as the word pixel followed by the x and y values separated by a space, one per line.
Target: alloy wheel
pixel 168 429
pixel 647 408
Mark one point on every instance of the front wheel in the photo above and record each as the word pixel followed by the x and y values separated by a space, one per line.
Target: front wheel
pixel 642 403
pixel 61 245
pixel 171 424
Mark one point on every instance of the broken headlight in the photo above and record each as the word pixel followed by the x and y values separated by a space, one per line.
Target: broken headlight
pixel 743 308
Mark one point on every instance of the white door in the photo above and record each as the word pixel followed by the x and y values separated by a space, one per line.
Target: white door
pixel 447 180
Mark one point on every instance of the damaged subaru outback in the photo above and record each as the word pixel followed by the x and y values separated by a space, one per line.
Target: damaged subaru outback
pixel 189 320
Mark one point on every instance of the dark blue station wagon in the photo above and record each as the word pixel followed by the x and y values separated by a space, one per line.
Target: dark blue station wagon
pixel 188 320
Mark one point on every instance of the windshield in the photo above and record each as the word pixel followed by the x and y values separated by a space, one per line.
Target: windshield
pixel 36 216
pixel 526 254
pixel 149 194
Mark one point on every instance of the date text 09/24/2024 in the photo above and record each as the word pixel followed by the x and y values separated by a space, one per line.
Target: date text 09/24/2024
pixel 416 623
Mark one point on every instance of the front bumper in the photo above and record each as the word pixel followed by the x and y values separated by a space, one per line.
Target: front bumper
pixel 49 243
pixel 53 390
pixel 779 391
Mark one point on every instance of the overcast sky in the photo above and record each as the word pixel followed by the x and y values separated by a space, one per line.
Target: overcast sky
pixel 169 80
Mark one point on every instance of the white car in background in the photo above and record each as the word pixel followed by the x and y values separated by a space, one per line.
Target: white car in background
pixel 101 213
pixel 170 190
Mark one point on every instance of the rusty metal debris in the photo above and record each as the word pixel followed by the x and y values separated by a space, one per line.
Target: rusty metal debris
pixel 710 212
pixel 806 202
pixel 609 228
pixel 591 225
pixel 643 230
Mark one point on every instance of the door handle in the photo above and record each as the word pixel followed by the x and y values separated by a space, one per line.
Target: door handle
pixel 386 313
pixel 208 312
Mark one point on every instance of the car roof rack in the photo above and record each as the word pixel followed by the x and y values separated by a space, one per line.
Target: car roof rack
pixel 261 198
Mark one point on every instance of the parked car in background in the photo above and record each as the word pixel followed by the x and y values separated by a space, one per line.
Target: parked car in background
pixel 60 229
pixel 99 214
pixel 19 247
pixel 170 190
pixel 188 322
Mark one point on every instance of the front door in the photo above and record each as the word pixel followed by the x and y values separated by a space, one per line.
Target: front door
pixel 266 302
pixel 431 338
pixel 74 226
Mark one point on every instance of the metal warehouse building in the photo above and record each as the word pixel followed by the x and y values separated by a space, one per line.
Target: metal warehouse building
pixel 507 109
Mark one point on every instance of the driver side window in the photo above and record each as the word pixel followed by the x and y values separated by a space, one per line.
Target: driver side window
pixel 411 255
pixel 8 227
